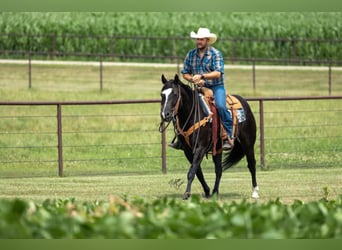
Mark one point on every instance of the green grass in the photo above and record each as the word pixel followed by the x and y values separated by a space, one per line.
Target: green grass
pixel 119 146
pixel 120 82
pixel 79 82
pixel 286 184
pixel 270 82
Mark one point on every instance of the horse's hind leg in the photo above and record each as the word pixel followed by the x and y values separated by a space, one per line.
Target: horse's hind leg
pixel 252 169
pixel 218 171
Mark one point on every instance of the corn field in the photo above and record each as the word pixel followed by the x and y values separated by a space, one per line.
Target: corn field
pixel 309 35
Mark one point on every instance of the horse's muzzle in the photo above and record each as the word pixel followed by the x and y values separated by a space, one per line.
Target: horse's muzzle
pixel 166 116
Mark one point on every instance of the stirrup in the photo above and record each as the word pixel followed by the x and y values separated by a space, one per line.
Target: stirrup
pixel 228 144
pixel 176 145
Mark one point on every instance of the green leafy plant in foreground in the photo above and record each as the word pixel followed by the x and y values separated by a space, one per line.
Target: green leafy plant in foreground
pixel 169 218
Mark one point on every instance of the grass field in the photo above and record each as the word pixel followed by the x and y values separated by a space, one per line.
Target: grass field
pixel 303 138
pixel 120 82
pixel 286 184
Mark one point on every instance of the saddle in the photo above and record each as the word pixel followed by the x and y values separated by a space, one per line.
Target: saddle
pixel 233 105
pixel 208 104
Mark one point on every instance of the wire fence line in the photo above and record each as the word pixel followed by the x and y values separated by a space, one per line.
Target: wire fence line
pixel 114 47
pixel 111 48
pixel 285 139
pixel 329 79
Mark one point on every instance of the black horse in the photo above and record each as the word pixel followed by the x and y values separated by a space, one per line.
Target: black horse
pixel 180 104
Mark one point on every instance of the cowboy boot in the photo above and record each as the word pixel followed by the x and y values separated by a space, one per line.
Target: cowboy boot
pixel 176 144
pixel 228 144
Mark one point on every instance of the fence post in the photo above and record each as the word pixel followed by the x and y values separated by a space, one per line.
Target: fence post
pixel 173 48
pixel 262 135
pixel 329 82
pixel 112 48
pixel 232 52
pixel 163 141
pixel 30 70
pixel 101 74
pixel 254 77
pixel 53 48
pixel 294 50
pixel 60 140
pixel 178 65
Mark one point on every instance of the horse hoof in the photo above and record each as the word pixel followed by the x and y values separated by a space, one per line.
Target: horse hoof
pixel 215 195
pixel 186 195
pixel 255 193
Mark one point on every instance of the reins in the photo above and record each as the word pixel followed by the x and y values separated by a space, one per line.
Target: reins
pixel 161 128
pixel 197 122
pixel 197 112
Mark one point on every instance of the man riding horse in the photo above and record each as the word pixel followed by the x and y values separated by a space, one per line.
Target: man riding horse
pixel 204 66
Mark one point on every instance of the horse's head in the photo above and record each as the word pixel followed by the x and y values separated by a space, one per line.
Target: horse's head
pixel 170 96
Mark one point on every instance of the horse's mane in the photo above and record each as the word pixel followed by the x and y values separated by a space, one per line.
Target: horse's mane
pixel 186 87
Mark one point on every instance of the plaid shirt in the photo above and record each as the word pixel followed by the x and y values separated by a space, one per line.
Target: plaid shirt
pixel 212 60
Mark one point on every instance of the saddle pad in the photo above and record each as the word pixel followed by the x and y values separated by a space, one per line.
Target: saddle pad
pixel 240 115
pixel 233 102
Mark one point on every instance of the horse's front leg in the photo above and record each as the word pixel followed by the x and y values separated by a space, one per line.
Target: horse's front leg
pixel 194 168
pixel 218 171
pixel 205 186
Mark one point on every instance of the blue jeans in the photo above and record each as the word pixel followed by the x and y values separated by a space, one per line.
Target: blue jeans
pixel 220 102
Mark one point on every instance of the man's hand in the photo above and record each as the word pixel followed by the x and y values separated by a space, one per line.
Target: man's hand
pixel 201 83
pixel 196 78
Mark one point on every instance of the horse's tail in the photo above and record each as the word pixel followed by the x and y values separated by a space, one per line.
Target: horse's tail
pixel 233 157
pixel 247 136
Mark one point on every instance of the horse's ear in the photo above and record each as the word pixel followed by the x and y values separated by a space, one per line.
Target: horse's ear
pixel 163 79
pixel 176 78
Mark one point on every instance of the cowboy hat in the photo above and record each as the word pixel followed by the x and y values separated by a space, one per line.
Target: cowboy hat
pixel 204 33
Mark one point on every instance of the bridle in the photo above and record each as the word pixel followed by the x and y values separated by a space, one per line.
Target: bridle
pixel 162 128
pixel 197 124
